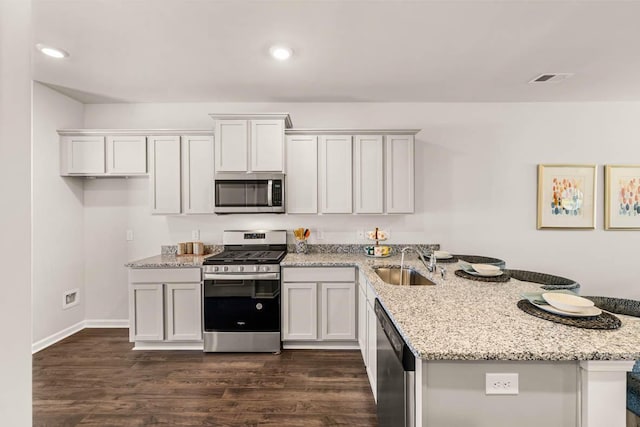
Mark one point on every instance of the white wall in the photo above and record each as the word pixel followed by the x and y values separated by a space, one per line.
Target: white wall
pixel 475 184
pixel 57 217
pixel 15 214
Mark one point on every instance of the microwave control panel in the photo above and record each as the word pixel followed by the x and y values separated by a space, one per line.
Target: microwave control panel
pixel 276 196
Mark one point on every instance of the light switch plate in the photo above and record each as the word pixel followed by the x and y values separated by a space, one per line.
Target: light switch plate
pixel 129 235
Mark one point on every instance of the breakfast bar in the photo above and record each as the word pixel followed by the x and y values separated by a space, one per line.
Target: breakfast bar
pixel 462 329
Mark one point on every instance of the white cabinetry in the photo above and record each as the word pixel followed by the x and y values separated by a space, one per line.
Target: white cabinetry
pixel 82 155
pixel 126 155
pixel 335 164
pixel 165 305
pixel 400 173
pixel 250 142
pixel 267 145
pixel 87 153
pixel 197 174
pixel 299 311
pixel 367 328
pixel 302 174
pixel 368 172
pixel 164 166
pixel 231 145
pixel 319 306
pixel 181 170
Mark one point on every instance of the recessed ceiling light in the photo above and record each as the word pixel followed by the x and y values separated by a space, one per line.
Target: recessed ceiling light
pixel 281 53
pixel 51 51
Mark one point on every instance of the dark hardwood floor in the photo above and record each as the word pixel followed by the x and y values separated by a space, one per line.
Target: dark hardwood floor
pixel 93 378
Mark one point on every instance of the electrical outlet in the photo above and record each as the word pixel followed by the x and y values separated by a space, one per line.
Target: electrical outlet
pixel 70 298
pixel 501 383
pixel 195 235
pixel 319 235
pixel 129 235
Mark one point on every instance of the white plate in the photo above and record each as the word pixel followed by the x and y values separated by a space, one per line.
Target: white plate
pixel 475 273
pixel 566 302
pixel 590 312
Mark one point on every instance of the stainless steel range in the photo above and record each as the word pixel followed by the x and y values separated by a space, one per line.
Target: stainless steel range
pixel 241 304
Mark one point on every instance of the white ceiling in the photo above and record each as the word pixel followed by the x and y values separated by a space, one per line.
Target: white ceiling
pixel 432 51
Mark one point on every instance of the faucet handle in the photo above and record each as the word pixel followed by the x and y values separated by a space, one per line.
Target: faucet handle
pixel 443 272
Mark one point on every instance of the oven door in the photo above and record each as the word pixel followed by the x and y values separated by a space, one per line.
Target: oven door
pixel 233 303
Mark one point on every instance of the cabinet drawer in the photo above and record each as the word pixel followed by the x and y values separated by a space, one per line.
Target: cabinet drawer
pixel 164 275
pixel 319 274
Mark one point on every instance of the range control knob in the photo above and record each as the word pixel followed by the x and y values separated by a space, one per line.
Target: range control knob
pixel 225 268
pixel 256 268
pixel 216 268
pixel 265 268
pixel 240 268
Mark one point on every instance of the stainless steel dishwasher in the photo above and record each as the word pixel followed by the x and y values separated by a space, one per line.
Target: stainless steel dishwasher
pixel 395 375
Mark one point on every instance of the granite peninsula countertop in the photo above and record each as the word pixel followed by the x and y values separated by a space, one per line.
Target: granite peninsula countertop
pixel 460 319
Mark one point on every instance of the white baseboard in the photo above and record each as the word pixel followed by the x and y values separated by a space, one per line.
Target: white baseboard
pixel 58 336
pixel 196 345
pixel 91 323
pixel 106 323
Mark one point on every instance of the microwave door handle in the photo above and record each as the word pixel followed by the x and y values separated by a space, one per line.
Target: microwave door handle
pixel 269 195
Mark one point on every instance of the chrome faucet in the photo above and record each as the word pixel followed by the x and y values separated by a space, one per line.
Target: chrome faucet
pixel 409 248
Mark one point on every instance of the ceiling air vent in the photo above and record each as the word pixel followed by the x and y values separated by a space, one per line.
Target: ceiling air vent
pixel 551 77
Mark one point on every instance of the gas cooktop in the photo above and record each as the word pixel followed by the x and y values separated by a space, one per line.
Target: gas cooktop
pixel 241 256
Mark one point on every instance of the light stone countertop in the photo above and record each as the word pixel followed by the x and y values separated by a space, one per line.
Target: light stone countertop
pixel 460 319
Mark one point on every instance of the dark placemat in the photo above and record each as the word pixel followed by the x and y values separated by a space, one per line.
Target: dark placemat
pixel 542 278
pixel 602 321
pixel 443 260
pixel 495 279
pixel 628 307
pixel 477 259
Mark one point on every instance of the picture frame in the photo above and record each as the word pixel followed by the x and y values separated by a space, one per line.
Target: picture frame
pixel 566 197
pixel 621 198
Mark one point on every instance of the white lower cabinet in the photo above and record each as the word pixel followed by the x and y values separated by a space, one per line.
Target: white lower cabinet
pixel 319 305
pixel 165 305
pixel 367 329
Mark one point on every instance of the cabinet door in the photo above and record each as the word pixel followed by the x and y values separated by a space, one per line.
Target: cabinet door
pixel 335 174
pixel 164 165
pixel 302 174
pixel 126 155
pixel 267 145
pixel 183 311
pixel 338 316
pixel 400 173
pixel 299 311
pixel 146 319
pixel 231 141
pixel 84 154
pixel 368 174
pixel 362 323
pixel 197 174
pixel 371 349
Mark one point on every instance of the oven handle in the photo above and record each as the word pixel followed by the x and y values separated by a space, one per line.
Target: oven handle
pixel 257 276
pixel 269 193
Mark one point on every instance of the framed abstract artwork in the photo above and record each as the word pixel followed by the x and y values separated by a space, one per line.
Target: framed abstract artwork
pixel 566 196
pixel 621 199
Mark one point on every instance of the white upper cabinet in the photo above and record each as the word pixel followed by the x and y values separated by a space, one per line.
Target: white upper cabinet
pixel 302 174
pixel 400 173
pixel 335 164
pixel 231 145
pixel 267 145
pixel 250 142
pixel 82 155
pixel 126 155
pixel 164 167
pixel 197 174
pixel 368 174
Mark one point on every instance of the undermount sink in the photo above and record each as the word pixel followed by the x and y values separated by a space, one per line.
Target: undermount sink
pixel 391 275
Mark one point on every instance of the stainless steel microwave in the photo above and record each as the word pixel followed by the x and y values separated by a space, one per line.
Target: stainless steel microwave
pixel 248 192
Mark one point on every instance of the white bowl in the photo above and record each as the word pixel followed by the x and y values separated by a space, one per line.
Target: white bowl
pixel 486 269
pixel 567 302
